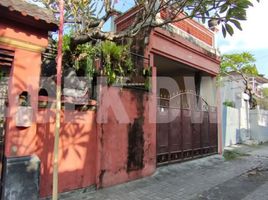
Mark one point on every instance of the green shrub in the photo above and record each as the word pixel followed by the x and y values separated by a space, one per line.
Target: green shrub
pixel 233 154
pixel 229 103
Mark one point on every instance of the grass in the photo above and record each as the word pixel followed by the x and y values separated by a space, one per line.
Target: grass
pixel 233 154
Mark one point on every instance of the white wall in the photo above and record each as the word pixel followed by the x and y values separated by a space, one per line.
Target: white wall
pixel 240 124
pixel 237 128
pixel 231 90
pixel 244 125
pixel 259 125
pixel 230 126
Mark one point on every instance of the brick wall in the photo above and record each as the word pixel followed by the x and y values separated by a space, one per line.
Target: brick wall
pixel 193 28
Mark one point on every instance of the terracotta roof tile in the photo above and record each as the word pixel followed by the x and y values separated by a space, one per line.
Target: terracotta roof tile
pixel 29 9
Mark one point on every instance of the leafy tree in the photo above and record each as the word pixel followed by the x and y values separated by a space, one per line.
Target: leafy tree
pixel 242 64
pixel 87 17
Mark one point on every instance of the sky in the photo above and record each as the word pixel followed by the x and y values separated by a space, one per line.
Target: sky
pixel 253 38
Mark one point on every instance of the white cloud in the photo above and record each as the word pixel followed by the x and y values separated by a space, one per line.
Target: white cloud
pixel 255 32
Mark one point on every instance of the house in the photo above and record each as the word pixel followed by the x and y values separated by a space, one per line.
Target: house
pixel 185 54
pixel 257 84
pixel 233 87
pixel 132 131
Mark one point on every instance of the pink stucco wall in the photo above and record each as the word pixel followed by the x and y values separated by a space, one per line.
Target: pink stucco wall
pixel 95 153
pixel 113 140
pixel 77 149
pixel 91 153
pixel 24 76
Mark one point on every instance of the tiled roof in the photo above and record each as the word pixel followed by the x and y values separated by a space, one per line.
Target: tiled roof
pixel 29 9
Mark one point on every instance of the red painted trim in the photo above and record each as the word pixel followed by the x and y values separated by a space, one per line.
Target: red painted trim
pixel 154 101
pixel 180 42
pixel 131 12
pixel 174 38
pixel 184 62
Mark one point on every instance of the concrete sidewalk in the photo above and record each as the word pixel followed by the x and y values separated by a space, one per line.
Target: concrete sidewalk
pixel 207 178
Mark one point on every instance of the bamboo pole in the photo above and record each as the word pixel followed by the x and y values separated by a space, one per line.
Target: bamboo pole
pixel 58 105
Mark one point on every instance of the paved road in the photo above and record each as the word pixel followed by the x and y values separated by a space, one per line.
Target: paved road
pixel 209 178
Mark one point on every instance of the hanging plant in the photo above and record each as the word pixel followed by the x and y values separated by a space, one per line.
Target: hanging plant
pixel 117 62
pixel 83 59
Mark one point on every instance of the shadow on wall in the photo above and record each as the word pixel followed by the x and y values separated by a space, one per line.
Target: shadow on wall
pixel 77 148
pixel 78 139
pixel 77 155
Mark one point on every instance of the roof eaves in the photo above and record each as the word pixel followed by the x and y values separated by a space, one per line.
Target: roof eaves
pixel 28 9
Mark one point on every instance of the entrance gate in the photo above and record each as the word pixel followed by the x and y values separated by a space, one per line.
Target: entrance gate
pixel 186 128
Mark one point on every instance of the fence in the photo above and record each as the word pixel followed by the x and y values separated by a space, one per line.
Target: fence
pixel 243 125
pixel 259 125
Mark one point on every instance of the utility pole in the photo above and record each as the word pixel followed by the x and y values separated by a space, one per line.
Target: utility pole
pixel 58 105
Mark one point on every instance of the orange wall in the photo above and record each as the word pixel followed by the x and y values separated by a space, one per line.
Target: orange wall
pixel 24 76
pixel 77 149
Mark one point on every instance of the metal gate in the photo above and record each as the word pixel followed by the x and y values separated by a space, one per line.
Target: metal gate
pixel 186 128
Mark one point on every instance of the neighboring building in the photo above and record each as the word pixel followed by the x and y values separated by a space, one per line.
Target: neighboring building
pixel 237 120
pixel 257 84
pixel 95 152
pixel 233 87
